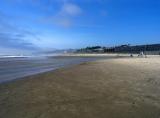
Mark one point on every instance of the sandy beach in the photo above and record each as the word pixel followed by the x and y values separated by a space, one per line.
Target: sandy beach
pixel 111 88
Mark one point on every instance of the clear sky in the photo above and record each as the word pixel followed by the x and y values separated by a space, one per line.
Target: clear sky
pixel 58 24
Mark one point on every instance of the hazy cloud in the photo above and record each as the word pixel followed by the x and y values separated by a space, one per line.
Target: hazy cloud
pixel 13 41
pixel 70 9
pixel 65 16
pixel 14 37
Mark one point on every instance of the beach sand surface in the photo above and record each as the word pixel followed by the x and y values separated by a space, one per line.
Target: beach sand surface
pixel 112 88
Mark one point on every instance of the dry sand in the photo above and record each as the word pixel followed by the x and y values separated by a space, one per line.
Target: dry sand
pixel 115 88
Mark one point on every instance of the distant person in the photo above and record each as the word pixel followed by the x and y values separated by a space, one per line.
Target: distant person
pixel 141 54
pixel 131 55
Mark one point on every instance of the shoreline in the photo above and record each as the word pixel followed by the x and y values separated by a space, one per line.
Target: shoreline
pixel 64 67
pixel 104 54
pixel 82 59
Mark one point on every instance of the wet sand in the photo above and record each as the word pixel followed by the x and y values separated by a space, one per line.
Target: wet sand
pixel 19 67
pixel 113 88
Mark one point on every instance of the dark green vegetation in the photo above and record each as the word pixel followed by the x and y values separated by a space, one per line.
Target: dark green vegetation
pixel 148 49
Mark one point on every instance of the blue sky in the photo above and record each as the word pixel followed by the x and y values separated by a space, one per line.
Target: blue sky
pixel 29 25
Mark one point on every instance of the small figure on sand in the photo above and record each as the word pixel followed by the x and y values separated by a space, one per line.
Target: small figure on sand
pixel 131 55
pixel 142 54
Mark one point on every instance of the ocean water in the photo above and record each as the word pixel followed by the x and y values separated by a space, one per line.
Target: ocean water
pixel 12 68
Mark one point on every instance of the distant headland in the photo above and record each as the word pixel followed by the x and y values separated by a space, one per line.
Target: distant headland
pixel 150 49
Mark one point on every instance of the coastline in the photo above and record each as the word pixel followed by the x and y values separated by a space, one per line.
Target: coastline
pixel 12 68
pixel 124 87
pixel 112 55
